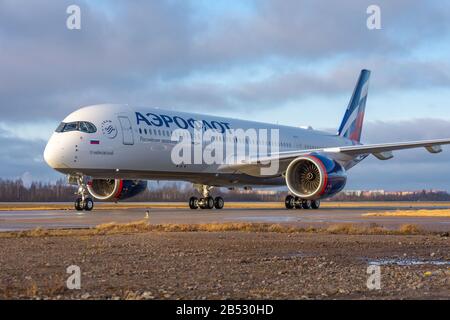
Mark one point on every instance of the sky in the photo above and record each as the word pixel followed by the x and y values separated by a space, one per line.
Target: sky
pixel 290 62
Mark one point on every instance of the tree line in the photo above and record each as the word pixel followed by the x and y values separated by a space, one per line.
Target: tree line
pixel 15 191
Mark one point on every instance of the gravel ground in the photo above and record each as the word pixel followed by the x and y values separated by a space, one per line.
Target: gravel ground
pixel 225 265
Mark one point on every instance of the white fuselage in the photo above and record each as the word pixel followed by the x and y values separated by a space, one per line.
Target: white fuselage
pixel 135 143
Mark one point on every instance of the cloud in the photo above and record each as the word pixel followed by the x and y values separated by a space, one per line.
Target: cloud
pixel 20 157
pixel 414 129
pixel 42 61
pixel 389 75
pixel 316 30
pixel 29 131
pixel 145 52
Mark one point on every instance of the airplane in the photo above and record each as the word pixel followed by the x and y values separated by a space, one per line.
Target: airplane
pixel 110 151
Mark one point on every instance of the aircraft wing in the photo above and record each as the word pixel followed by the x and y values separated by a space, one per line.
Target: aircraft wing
pixel 382 151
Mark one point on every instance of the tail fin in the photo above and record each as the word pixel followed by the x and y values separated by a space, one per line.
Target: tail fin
pixel 352 122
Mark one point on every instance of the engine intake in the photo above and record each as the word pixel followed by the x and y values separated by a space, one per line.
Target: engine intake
pixel 315 177
pixel 115 189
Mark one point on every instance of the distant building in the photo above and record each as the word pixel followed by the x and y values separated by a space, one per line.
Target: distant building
pixel 371 193
pixel 356 193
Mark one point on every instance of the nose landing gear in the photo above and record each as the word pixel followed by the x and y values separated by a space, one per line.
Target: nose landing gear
pixel 205 202
pixel 86 204
pixel 83 202
pixel 292 202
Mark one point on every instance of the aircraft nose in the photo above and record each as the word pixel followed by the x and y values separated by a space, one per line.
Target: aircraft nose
pixel 51 153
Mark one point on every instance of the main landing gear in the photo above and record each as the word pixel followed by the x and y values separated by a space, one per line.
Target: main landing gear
pixel 205 202
pixel 83 201
pixel 292 202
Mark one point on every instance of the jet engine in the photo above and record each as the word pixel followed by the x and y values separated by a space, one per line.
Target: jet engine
pixel 314 176
pixel 115 189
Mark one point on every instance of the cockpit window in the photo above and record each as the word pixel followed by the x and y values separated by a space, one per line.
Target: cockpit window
pixel 91 127
pixel 82 126
pixel 60 127
pixel 71 126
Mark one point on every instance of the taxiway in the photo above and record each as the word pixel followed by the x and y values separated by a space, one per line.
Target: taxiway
pixel 353 213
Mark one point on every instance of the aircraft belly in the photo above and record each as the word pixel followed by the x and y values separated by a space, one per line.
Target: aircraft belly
pixel 214 179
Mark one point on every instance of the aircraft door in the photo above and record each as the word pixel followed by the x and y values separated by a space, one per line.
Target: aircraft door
pixel 127 130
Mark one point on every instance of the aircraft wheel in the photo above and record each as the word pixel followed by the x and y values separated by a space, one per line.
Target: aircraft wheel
pixel 298 203
pixel 88 204
pixel 206 203
pixel 315 204
pixel 209 202
pixel 193 203
pixel 219 203
pixel 306 204
pixel 79 204
pixel 289 202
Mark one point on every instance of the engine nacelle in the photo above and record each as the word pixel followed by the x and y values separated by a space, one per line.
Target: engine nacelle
pixel 314 177
pixel 115 189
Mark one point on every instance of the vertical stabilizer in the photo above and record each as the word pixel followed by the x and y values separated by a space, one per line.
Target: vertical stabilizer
pixel 352 122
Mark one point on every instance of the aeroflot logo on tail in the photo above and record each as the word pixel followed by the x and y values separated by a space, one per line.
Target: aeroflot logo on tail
pixel 159 120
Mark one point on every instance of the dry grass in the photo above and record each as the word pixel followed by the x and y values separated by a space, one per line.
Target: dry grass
pixel 50 287
pixel 144 226
pixel 357 229
pixel 409 229
pixel 40 233
pixel 411 213
pixel 388 204
pixel 405 229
